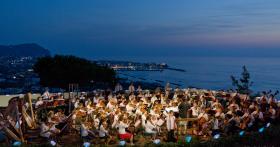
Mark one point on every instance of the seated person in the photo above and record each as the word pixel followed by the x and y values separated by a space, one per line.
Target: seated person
pixel 48 130
pixel 39 102
pixel 104 133
pixel 123 124
pixel 85 132
pixel 150 128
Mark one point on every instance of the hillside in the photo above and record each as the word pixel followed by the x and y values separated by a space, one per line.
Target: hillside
pixel 31 49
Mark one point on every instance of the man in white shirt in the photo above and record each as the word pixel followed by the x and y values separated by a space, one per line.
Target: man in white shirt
pixel 131 88
pixel 171 126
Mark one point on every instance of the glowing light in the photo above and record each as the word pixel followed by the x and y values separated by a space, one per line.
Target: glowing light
pixel 188 139
pixel 268 125
pixel 261 129
pixel 122 143
pixel 86 144
pixel 53 143
pixel 156 141
pixel 217 136
pixel 17 143
pixel 241 133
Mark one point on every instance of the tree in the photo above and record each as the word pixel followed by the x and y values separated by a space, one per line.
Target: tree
pixel 59 71
pixel 243 84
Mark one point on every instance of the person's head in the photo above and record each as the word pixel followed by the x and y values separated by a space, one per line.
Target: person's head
pixel 46 122
pixel 171 113
pixel 51 114
pixel 39 99
pixel 148 117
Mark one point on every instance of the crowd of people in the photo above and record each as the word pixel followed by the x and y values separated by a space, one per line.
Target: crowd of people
pixel 161 114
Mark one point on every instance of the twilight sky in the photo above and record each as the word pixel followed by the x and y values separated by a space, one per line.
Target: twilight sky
pixel 111 28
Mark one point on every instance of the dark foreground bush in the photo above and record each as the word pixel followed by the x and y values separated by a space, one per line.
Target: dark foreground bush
pixel 59 71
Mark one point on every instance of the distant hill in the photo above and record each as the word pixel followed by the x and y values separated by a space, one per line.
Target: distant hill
pixel 30 49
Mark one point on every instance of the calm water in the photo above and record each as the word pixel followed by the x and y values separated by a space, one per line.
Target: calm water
pixel 213 72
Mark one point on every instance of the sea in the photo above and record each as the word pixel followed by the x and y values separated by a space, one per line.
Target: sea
pixel 209 72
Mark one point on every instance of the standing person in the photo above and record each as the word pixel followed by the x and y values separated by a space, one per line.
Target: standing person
pixel 167 89
pixel 118 88
pixel 46 95
pixel 183 113
pixel 139 89
pixel 184 106
pixel 171 126
pixel 131 88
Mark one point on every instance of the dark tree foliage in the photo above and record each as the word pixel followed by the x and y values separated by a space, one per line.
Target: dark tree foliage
pixel 243 84
pixel 59 71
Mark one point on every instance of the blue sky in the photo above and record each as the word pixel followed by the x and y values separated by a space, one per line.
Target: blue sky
pixel 103 28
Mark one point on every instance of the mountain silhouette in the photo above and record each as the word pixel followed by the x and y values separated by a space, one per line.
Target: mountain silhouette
pixel 28 49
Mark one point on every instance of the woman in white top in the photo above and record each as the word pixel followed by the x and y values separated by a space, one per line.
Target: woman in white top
pixel 40 102
pixel 48 130
pixel 150 128
pixel 84 131
pixel 171 126
pixel 116 119
pixel 195 110
pixel 45 130
pixel 122 125
pixel 130 108
pixel 76 105
pixel 111 106
pixel 104 133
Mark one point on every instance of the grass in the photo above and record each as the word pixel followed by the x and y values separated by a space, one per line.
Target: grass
pixel 269 137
